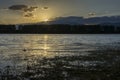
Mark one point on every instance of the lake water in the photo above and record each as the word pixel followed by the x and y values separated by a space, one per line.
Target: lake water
pixel 19 51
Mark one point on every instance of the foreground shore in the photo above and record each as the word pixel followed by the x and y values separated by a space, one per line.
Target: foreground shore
pixel 99 65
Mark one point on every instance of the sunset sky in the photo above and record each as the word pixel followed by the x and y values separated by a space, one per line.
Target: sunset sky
pixel 29 11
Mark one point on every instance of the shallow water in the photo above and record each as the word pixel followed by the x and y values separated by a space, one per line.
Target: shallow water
pixel 20 50
pixel 12 45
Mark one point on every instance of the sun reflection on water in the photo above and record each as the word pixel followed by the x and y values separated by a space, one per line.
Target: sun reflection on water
pixel 45 46
pixel 37 46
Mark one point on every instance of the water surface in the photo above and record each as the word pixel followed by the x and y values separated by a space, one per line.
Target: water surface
pixel 22 50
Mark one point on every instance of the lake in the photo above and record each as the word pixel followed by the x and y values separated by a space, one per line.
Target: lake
pixel 59 56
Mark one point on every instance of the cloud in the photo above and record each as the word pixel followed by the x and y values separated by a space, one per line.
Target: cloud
pixel 18 7
pixel 30 9
pixel 92 14
pixel 29 15
pixel 45 8
pixel 24 8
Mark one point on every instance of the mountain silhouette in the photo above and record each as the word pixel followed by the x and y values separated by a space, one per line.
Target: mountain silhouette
pixel 73 20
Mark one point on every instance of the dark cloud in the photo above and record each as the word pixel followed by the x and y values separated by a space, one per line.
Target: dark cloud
pixel 27 10
pixel 18 7
pixel 29 15
pixel 30 9
pixel 24 8
pixel 91 14
pixel 45 8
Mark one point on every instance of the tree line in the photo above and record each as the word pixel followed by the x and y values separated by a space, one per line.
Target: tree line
pixel 60 29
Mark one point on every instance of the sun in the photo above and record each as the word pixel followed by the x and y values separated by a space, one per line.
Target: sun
pixel 46 20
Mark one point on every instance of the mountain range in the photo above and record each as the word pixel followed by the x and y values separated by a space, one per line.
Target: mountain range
pixel 73 20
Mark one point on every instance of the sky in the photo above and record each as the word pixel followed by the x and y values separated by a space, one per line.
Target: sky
pixel 30 11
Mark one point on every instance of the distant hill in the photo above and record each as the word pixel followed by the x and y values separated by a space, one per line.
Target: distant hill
pixel 73 20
